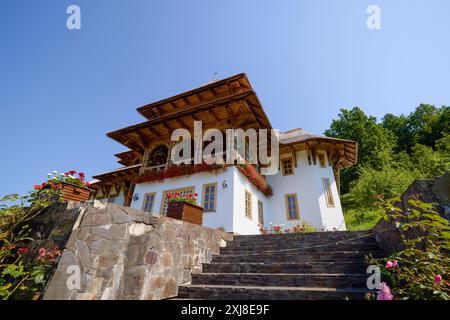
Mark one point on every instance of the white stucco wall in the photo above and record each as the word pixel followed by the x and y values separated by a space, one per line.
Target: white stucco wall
pixel 223 217
pixel 241 223
pixel 230 210
pixel 306 182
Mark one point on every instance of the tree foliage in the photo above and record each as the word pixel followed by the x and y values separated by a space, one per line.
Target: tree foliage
pixel 375 143
pixel 395 151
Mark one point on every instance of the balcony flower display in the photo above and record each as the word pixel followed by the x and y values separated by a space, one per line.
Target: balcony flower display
pixel 71 184
pixel 184 207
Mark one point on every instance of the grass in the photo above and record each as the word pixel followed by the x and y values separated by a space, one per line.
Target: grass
pixel 362 219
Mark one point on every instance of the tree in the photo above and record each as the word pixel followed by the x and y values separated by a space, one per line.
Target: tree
pixel 375 143
pixel 425 126
pixel 399 127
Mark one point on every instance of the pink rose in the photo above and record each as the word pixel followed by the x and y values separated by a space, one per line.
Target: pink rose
pixel 395 263
pixel 438 278
pixel 385 292
pixel 42 252
pixel 389 264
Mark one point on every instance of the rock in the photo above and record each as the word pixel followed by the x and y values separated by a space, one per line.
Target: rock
pixel 166 259
pixel 120 217
pixel 83 254
pixel 106 260
pixel 133 283
pixel 108 294
pixel 138 229
pixel 99 205
pixel 96 220
pixel 99 246
pixel 150 257
pixel 118 232
pixel 102 231
pixel 170 289
pixel 86 296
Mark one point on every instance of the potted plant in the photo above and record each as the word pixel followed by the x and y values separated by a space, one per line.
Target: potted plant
pixel 72 185
pixel 185 208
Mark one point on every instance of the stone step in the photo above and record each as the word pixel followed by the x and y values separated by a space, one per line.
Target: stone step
pixel 285 267
pixel 224 292
pixel 353 256
pixel 337 280
pixel 310 235
pixel 299 248
pixel 298 240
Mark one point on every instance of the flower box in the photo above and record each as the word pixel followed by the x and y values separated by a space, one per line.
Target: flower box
pixel 185 211
pixel 72 192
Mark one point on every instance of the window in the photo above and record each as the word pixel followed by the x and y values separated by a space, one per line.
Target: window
pixel 321 157
pixel 209 197
pixel 291 206
pixel 287 167
pixel 182 191
pixel 248 204
pixel 112 199
pixel 149 200
pixel 328 193
pixel 260 213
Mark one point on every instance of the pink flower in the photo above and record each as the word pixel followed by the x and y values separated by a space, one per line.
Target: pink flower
pixel 438 278
pixel 42 252
pixel 389 264
pixel 395 263
pixel 385 292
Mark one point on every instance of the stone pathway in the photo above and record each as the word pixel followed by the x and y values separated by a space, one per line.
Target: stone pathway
pixel 320 265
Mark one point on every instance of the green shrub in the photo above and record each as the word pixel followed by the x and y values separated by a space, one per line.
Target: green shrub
pixel 422 270
pixel 389 182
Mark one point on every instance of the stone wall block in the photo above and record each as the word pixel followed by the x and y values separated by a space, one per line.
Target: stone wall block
pixel 96 220
pixel 83 254
pixel 100 246
pixel 121 217
pixel 125 253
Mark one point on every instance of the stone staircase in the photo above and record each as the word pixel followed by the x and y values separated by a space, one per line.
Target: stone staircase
pixel 320 265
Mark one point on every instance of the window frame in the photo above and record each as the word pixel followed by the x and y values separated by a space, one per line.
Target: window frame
pixel 248 205
pixel 215 196
pixel 286 203
pixel 146 195
pixel 164 196
pixel 326 182
pixel 260 212
pixel 283 169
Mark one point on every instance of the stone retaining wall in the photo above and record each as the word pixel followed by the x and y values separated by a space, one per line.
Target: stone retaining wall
pixel 123 253
pixel 435 191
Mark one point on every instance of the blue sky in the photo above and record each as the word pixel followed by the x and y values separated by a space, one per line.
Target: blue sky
pixel 61 90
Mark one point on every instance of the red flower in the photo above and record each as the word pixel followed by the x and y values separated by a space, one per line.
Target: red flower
pixel 43 184
pixel 71 172
pixel 23 250
pixel 196 194
pixel 81 174
pixel 37 186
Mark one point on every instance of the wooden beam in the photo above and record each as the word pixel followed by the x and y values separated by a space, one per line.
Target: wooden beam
pixel 214 115
pixel 294 156
pixel 154 132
